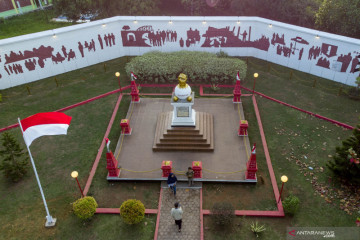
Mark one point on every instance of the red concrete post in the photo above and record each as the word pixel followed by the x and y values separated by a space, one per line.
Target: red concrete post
pixel 134 90
pixel 237 90
pixel 125 127
pixel 166 167
pixel 197 168
pixel 251 166
pixel 243 128
pixel 112 165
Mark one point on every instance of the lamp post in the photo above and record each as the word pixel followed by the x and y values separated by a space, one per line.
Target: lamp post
pixel 284 179
pixel 255 76
pixel 117 74
pixel 75 174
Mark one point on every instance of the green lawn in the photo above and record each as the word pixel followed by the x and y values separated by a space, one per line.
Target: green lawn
pixel 295 141
pixel 27 23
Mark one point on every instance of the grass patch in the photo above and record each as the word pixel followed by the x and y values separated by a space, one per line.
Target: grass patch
pixel 74 86
pixel 31 22
pixel 55 158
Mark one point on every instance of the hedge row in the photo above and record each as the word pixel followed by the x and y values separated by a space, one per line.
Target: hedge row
pixel 200 67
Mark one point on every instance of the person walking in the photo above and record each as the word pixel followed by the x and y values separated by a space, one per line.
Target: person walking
pixel 190 176
pixel 177 213
pixel 171 181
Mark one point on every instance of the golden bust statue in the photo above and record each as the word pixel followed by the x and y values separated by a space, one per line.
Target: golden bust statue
pixel 182 80
pixel 182 90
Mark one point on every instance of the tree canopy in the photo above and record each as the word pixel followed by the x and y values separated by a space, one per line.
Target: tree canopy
pixel 340 17
pixel 335 16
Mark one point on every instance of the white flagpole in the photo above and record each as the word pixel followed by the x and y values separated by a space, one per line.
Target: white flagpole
pixel 50 221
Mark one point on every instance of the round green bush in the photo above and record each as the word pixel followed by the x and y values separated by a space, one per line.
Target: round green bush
pixel 223 213
pixel 85 207
pixel 200 67
pixel 291 204
pixel 132 211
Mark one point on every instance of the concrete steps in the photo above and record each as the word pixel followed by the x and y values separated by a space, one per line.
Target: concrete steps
pixel 198 138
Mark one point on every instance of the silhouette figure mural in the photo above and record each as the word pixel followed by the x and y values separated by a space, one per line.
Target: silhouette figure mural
pixel 284 44
pixel 323 62
pixel 287 51
pixel 36 57
pixel 277 39
pixel 345 60
pixel 145 36
pixel 193 37
pixel 300 40
pixel 223 37
pixel 355 62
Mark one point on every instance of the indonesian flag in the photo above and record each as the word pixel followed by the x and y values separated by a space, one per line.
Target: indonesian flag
pixel 253 150
pixel 238 77
pixel 133 76
pixel 41 124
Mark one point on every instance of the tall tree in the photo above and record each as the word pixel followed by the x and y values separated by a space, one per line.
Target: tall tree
pixel 13 164
pixel 340 17
pixel 346 162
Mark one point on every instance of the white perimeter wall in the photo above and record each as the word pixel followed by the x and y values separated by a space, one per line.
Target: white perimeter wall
pixel 36 56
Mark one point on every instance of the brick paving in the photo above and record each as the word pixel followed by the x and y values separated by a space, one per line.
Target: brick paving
pixel 189 199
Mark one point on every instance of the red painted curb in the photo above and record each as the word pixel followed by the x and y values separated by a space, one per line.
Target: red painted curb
pixel 117 211
pixel 268 159
pixel 73 106
pixel 158 216
pixel 98 156
pixel 9 127
pixel 302 110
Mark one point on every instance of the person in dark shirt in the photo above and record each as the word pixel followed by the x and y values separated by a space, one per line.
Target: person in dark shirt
pixel 171 181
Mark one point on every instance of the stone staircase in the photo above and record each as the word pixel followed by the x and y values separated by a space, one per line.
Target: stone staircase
pixel 198 138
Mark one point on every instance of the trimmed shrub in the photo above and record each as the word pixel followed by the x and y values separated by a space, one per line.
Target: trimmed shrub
pixel 200 67
pixel 291 204
pixel 223 213
pixel 85 207
pixel 132 211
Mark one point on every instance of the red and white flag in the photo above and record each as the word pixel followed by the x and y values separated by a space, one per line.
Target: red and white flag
pixel 41 124
pixel 238 77
pixel 133 76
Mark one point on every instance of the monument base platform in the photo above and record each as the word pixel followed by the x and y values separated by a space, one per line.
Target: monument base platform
pixel 197 138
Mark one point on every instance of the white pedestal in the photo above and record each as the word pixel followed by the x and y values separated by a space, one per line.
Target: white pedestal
pixel 183 114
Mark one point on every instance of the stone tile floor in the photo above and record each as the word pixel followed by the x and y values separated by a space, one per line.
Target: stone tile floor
pixel 189 199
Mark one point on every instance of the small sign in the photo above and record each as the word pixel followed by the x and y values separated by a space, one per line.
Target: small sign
pixel 183 112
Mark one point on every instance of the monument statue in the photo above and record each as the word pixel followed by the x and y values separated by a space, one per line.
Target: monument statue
pixel 184 129
pixel 182 90
pixel 182 100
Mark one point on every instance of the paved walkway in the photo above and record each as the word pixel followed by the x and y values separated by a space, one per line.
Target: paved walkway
pixel 189 199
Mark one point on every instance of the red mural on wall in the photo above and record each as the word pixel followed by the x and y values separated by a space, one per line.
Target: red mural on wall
pixel 15 62
pixel 145 36
pixel 224 37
